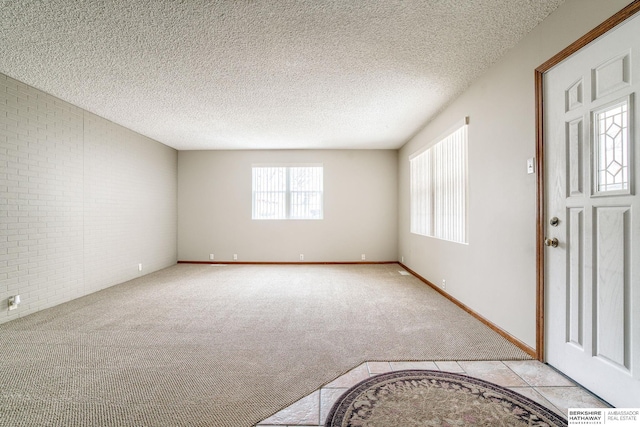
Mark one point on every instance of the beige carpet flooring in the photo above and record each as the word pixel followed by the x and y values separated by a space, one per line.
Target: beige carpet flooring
pixel 200 345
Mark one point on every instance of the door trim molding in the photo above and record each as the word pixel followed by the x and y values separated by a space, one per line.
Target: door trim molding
pixel 624 14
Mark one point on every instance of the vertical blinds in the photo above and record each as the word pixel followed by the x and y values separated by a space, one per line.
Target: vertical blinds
pixel 281 192
pixel 269 192
pixel 438 179
pixel 305 192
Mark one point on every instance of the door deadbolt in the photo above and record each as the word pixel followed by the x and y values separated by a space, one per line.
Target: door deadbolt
pixel 554 221
pixel 551 242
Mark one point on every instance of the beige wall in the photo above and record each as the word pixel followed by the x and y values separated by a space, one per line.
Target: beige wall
pixel 83 201
pixel 360 208
pixel 495 274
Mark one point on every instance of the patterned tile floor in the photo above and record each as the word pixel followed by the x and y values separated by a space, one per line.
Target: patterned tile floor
pixel 530 378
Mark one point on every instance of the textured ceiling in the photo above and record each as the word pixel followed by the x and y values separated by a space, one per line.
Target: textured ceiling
pixel 250 74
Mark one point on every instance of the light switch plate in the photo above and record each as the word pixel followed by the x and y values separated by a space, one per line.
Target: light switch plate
pixel 531 165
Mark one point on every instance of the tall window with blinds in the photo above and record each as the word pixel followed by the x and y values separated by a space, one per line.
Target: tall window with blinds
pixel 287 192
pixel 438 177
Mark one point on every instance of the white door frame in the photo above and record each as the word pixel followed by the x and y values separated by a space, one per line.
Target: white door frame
pixel 601 29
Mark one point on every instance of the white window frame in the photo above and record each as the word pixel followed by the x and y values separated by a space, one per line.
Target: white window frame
pixel 285 188
pixel 439 187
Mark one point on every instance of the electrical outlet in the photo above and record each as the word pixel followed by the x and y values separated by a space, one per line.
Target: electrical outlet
pixel 402 260
pixel 364 257
pixel 211 257
pixel 301 257
pixel 140 267
pixel 235 257
pixel 444 284
pixel 13 302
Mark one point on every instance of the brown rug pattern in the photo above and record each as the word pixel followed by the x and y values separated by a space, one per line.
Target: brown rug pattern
pixel 415 398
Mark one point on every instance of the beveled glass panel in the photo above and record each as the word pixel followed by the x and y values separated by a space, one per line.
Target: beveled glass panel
pixel 612 148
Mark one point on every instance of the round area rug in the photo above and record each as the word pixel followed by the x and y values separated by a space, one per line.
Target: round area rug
pixel 435 398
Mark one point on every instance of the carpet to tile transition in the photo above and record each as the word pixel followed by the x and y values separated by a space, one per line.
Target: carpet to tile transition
pixel 434 398
pixel 223 346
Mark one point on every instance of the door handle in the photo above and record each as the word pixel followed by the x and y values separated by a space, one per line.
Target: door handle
pixel 551 242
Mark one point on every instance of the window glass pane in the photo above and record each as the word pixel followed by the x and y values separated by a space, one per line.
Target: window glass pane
pixel 438 179
pixel 306 178
pixel 269 205
pixel 287 192
pixel 420 194
pixel 306 205
pixel 612 145
pixel 269 193
pixel 306 192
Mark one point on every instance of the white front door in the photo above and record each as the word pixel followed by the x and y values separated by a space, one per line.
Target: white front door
pixel 592 180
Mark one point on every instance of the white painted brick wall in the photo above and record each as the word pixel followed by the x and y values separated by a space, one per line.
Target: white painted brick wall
pixel 82 201
pixel 130 203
